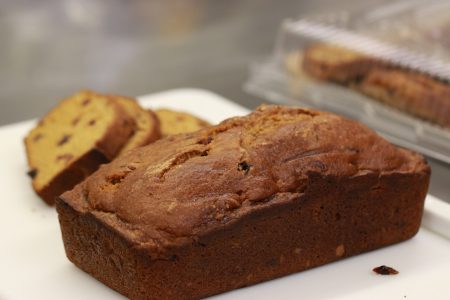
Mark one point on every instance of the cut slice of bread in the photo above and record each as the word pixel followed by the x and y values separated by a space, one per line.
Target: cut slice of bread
pixel 73 139
pixel 414 93
pixel 409 91
pixel 175 122
pixel 147 124
pixel 329 62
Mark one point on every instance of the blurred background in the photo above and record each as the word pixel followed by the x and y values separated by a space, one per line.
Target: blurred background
pixel 50 49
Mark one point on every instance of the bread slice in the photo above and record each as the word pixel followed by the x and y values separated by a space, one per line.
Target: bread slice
pixel 414 93
pixel 334 63
pixel 73 139
pixel 408 91
pixel 254 198
pixel 175 122
pixel 147 124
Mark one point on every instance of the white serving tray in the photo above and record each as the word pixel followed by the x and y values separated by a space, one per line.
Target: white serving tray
pixel 33 264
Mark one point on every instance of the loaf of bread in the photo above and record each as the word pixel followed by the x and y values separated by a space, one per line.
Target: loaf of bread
pixel 175 122
pixel 251 199
pixel 73 139
pixel 147 124
pixel 334 63
pixel 410 92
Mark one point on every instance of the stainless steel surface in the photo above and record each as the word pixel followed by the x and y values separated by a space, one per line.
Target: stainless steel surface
pixel 50 49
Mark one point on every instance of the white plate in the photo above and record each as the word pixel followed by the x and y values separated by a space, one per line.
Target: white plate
pixel 33 264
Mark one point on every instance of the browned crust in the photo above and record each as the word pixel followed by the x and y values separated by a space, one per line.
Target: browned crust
pixel 334 218
pixel 254 198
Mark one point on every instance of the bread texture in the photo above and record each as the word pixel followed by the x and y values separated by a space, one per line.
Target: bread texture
pixel 147 124
pixel 254 198
pixel 414 93
pixel 73 139
pixel 334 63
pixel 408 91
pixel 175 122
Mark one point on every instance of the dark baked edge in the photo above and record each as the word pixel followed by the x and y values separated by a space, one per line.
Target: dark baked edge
pixel 155 134
pixel 117 134
pixel 72 175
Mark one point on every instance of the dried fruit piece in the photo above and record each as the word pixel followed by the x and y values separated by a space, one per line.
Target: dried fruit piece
pixel 244 166
pixel 65 138
pixel 32 173
pixel 385 270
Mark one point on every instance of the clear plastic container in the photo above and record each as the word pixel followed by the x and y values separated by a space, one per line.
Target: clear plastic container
pixel 410 36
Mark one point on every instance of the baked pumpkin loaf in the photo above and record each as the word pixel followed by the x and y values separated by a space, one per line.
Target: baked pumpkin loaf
pixel 147 124
pixel 175 122
pixel 73 139
pixel 410 92
pixel 338 64
pixel 251 199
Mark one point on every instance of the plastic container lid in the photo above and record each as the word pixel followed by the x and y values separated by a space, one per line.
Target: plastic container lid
pixel 408 40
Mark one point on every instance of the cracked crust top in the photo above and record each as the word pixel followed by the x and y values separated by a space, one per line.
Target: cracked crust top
pixel 184 186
